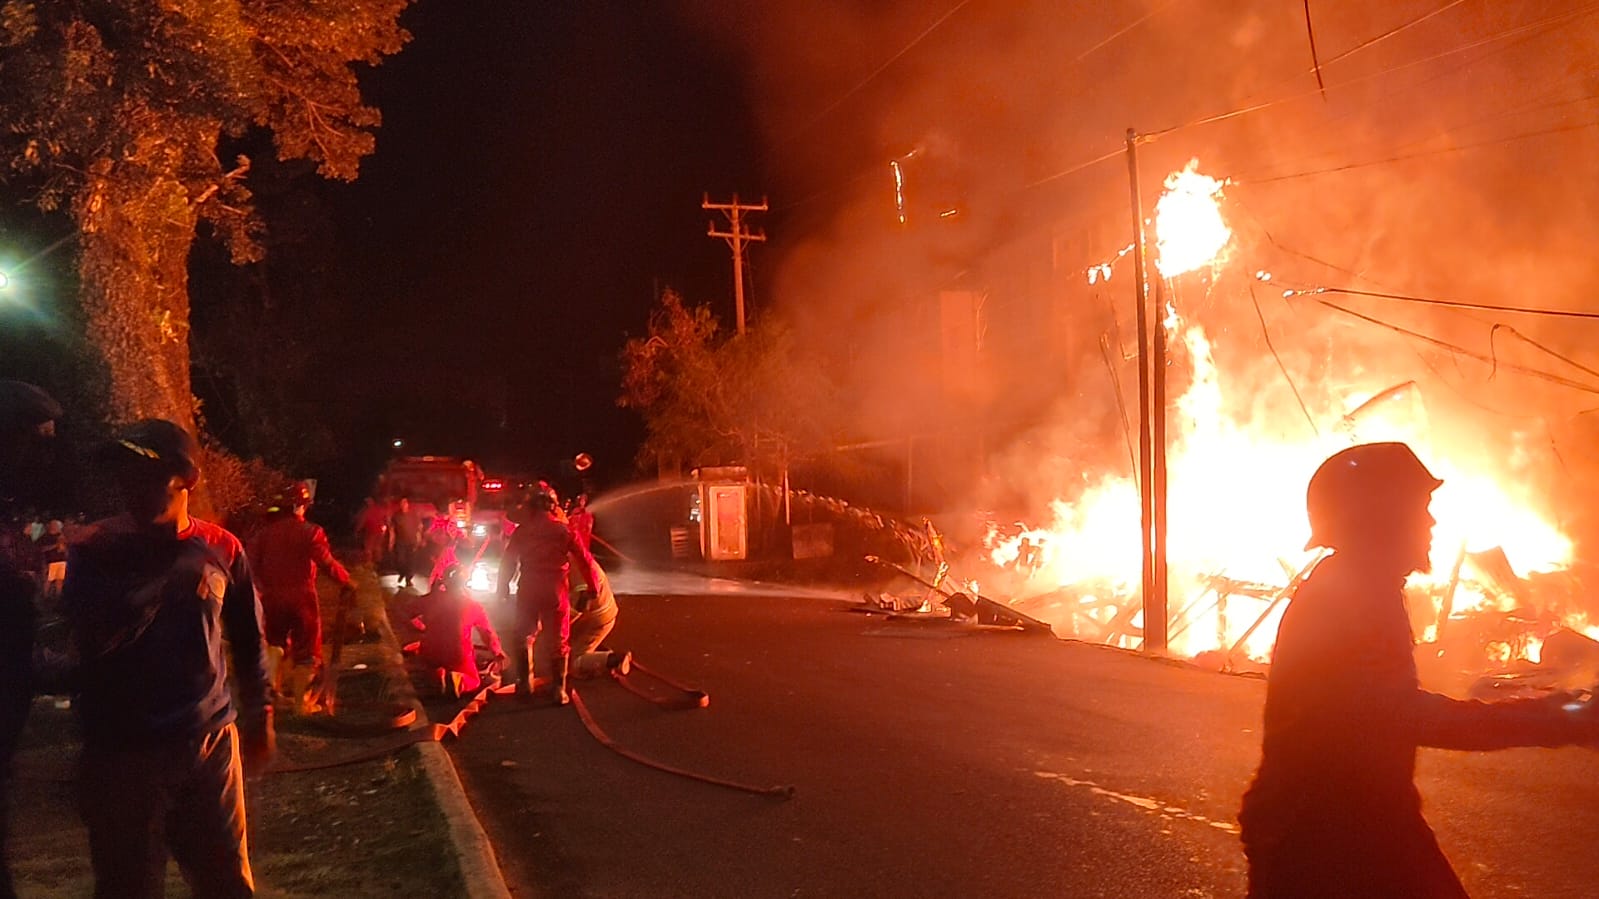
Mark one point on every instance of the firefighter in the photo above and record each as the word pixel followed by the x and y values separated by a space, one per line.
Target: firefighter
pixel 448 616
pixel 27 415
pixel 593 618
pixel 1333 810
pixel 151 596
pixel 539 553
pixel 286 553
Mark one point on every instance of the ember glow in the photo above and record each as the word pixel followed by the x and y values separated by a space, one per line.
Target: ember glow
pixel 1237 528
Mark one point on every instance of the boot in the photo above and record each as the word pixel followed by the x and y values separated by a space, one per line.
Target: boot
pixel 274 671
pixel 305 703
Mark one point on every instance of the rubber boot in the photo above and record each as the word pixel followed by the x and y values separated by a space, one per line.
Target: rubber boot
pixel 304 702
pixel 274 670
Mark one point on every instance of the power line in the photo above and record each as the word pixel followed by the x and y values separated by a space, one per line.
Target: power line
pixel 1460 350
pixel 1267 104
pixel 1402 157
pixel 1077 168
pixel 1117 34
pixel 1390 32
pixel 1453 304
pixel 879 70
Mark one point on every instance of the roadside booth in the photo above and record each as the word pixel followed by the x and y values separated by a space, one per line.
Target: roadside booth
pixel 724 512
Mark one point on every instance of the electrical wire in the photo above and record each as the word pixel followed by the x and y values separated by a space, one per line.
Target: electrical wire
pixel 1419 154
pixel 1267 104
pixel 811 123
pixel 1076 168
pixel 1454 304
pixel 1117 34
pixel 1265 332
pixel 1460 350
pixel 1390 32
pixel 1315 64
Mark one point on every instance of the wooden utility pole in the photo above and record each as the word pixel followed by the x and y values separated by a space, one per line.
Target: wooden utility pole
pixel 1151 457
pixel 737 235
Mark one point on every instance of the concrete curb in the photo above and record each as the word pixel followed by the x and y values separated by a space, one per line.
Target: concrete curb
pixel 480 870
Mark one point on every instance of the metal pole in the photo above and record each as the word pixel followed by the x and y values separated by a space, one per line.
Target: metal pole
pixel 1156 624
pixel 1145 485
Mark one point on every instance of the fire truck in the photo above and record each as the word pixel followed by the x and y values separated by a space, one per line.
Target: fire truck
pixel 437 485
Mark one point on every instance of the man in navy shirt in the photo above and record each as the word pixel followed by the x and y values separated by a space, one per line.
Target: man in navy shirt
pixel 151 595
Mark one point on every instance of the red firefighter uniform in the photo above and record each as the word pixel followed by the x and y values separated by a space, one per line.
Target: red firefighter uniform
pixel 449 617
pixel 286 554
pixel 538 555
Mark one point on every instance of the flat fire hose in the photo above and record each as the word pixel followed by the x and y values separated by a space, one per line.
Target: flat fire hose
pixel 785 791
pixel 436 733
pixel 687 698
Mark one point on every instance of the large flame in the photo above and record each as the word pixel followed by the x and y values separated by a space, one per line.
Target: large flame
pixel 1189 230
pixel 1236 526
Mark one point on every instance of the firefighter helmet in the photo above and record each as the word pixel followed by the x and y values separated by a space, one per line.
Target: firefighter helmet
pixel 294 496
pixel 1360 487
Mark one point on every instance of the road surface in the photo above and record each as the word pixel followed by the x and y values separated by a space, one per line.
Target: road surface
pixel 935 760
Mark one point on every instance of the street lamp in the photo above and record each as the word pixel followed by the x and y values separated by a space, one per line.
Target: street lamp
pixel 5 280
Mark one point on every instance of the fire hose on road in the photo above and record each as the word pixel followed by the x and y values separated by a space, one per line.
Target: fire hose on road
pixel 679 697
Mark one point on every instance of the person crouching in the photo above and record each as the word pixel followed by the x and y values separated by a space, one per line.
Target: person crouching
pixel 593 617
pixel 448 616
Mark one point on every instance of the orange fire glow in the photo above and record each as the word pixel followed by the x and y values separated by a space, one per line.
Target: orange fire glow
pixel 1190 232
pixel 1236 485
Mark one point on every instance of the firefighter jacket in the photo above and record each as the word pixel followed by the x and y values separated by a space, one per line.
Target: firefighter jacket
pixel 1334 807
pixel 539 551
pixel 449 617
pixel 149 612
pixel 285 555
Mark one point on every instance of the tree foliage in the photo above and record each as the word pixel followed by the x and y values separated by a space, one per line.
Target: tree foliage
pixel 118 110
pixel 751 399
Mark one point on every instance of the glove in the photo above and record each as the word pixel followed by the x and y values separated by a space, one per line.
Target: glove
pixel 258 742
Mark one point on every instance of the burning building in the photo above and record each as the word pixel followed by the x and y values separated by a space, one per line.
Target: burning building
pixel 1342 265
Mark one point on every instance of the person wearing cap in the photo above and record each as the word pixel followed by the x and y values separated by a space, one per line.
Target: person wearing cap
pixel 286 554
pixel 27 416
pixel 1333 810
pixel 151 595
pixel 537 558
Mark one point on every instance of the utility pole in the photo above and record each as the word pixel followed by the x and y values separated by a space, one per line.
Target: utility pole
pixel 737 235
pixel 1151 428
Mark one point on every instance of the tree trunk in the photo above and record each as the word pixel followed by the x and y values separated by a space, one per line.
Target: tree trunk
pixel 137 221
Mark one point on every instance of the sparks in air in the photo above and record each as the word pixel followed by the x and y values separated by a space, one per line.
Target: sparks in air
pixel 1189 230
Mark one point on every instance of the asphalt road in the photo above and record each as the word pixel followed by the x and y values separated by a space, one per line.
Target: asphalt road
pixel 934 760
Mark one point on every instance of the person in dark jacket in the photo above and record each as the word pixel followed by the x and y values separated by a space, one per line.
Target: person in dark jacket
pixel 1333 810
pixel 151 595
pixel 27 414
pixel 285 555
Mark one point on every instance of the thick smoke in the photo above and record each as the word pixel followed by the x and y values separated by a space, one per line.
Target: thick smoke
pixel 1450 158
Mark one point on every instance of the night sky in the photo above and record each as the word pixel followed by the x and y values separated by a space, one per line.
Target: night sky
pixel 539 173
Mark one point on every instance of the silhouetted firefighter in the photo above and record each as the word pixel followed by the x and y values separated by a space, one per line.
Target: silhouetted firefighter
pixel 1334 811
